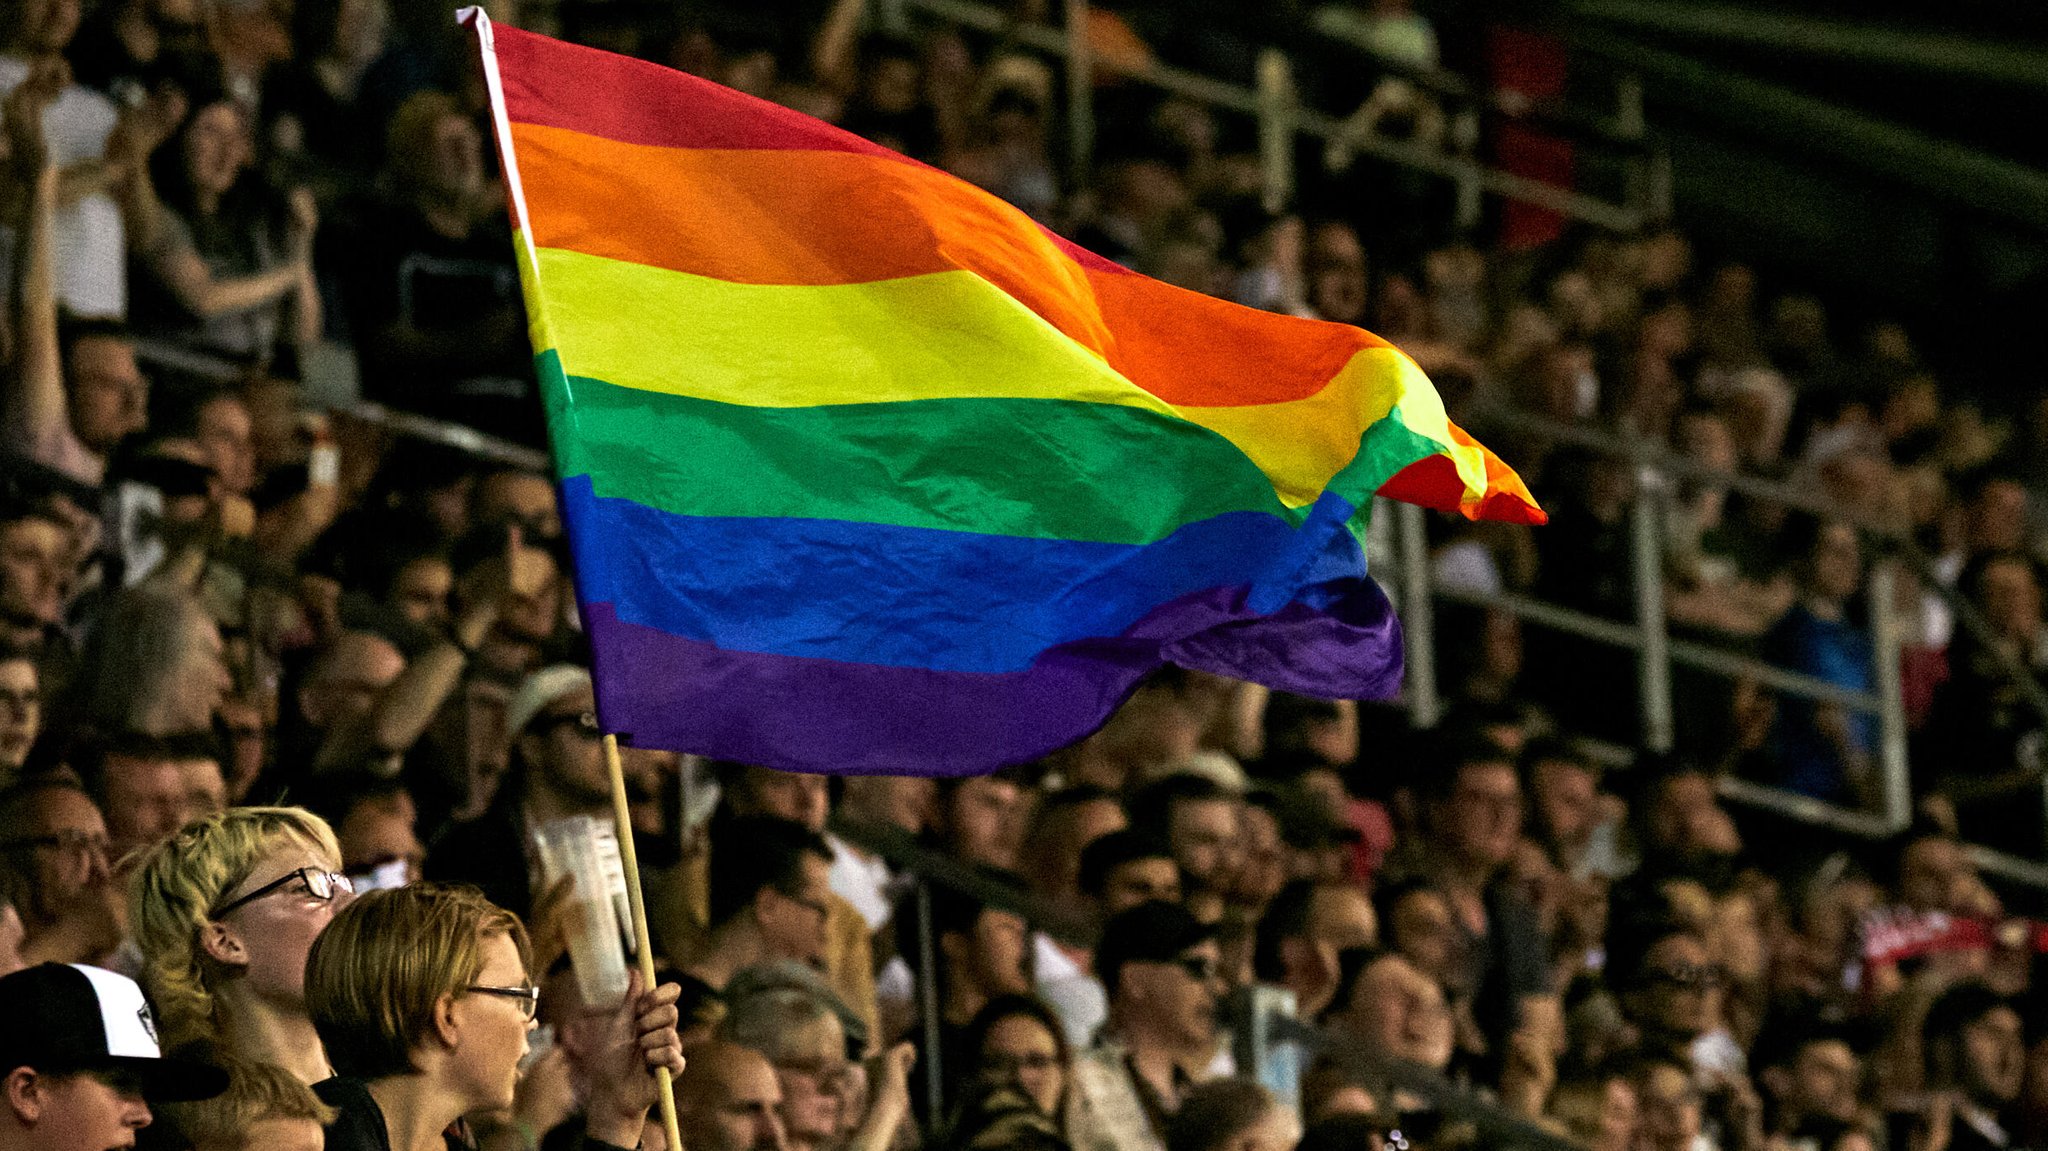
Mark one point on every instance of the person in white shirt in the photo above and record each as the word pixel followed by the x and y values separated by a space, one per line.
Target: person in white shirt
pixel 96 148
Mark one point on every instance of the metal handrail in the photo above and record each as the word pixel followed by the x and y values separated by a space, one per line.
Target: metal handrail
pixel 1649 453
pixel 222 371
pixel 1691 654
pixel 1647 636
pixel 1497 1126
pixel 1230 97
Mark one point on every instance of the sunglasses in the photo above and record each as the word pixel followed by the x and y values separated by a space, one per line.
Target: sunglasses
pixel 319 884
pixel 1199 967
pixel 527 998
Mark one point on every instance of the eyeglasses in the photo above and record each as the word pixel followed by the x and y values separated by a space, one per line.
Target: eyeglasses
pixel 826 1073
pixel 585 723
pixel 1004 1066
pixel 69 841
pixel 319 884
pixel 823 909
pixel 1689 977
pixel 528 998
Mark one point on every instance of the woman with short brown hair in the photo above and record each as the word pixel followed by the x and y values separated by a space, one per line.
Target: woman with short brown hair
pixel 424 998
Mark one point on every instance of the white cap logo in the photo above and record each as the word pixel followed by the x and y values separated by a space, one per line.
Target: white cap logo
pixel 131 1033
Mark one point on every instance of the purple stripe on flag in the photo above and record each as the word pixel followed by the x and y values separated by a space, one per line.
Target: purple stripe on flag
pixel 802 714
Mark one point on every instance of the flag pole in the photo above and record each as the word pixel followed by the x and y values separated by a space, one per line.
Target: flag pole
pixel 643 945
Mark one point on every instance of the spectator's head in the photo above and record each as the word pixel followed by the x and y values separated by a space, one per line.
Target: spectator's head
pixel 1016 1041
pixel 1201 822
pixel 21 712
pixel 1302 730
pixel 2006 587
pixel 1599 1110
pixel 1971 1042
pixel 1472 806
pixel 1564 792
pixel 1160 725
pixel 436 153
pixel 155 666
pixel 1678 815
pixel 343 682
pixel 557 749
pixel 265 1108
pixel 802 1038
pixel 1263 860
pixel 1337 273
pixel 79 1062
pixel 1995 511
pixel 1316 840
pixel 981 818
pixel 108 394
pixel 514 497
pixel 904 802
pixel 1066 822
pixel 424 980
pixel 420 587
pixel 1161 969
pixel 207 155
pixel 1388 1003
pixel 1125 868
pixel 1668 1110
pixel 225 912
pixel 1669 984
pixel 730 1100
pixel 39 27
pixel 55 852
pixel 983 951
pixel 1809 1071
pixel 1231 1115
pixel 376 825
pixel 149 788
pixel 35 572
pixel 1305 929
pixel 1831 559
pixel 791 795
pixel 770 878
pixel 1929 870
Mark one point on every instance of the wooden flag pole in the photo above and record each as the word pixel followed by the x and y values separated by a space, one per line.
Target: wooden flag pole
pixel 643 944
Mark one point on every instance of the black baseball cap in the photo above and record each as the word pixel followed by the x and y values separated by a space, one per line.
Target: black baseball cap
pixel 64 1018
pixel 1155 932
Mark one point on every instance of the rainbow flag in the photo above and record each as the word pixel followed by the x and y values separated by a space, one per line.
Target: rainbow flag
pixel 865 471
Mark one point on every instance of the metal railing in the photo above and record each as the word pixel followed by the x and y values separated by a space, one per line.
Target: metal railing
pixel 1657 651
pixel 1282 118
pixel 166 356
pixel 1496 1126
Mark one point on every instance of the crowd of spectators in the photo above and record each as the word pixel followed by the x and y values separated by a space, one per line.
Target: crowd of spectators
pixel 284 696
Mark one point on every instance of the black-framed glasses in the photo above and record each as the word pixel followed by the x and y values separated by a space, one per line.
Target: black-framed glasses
pixel 70 840
pixel 1689 976
pixel 528 998
pixel 585 722
pixel 319 883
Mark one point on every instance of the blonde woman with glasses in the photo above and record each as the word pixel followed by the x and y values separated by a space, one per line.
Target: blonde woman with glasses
pixel 225 912
pixel 424 997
